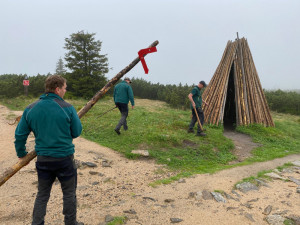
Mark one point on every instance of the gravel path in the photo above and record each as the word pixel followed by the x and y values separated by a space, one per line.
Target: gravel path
pixel 117 184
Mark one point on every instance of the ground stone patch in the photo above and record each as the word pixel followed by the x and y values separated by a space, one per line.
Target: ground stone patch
pixel 275 219
pixel 247 186
pixel 218 197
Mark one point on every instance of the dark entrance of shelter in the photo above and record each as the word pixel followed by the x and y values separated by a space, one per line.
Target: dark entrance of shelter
pixel 229 119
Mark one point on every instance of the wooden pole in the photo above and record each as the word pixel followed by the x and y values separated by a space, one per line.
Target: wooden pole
pixel 200 125
pixel 8 173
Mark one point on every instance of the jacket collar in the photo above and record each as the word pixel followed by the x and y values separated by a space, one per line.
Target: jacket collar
pixel 50 95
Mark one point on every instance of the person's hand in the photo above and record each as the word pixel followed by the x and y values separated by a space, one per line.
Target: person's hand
pixel 132 107
pixel 194 105
pixel 21 161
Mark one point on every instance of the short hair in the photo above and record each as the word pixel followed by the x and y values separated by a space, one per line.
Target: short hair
pixel 54 81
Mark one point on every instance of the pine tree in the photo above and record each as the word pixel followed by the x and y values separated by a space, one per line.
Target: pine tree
pixel 60 67
pixel 88 66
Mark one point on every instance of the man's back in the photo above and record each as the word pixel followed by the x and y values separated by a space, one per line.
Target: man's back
pixel 54 123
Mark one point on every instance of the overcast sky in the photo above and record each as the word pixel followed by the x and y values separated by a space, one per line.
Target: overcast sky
pixel 192 36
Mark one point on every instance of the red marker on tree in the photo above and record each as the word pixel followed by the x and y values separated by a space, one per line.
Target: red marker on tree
pixel 142 53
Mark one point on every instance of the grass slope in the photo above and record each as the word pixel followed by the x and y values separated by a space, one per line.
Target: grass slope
pixel 163 131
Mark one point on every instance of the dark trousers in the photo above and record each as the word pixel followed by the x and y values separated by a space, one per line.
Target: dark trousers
pixel 48 170
pixel 124 114
pixel 194 119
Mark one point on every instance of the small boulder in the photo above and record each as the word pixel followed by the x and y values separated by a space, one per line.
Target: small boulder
pixel 267 210
pixel 275 219
pixel 218 197
pixel 274 175
pixel 144 153
pixel 247 186
pixel 206 195
pixel 109 218
pixel 296 163
pixel 176 220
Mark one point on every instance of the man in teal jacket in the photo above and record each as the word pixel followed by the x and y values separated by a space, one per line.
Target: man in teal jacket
pixel 122 95
pixel 54 124
pixel 195 98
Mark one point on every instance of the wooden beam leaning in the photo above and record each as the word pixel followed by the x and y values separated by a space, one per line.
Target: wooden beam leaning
pixel 8 173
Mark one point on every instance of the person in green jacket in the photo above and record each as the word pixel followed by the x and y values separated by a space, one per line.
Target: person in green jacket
pixel 195 98
pixel 55 124
pixel 122 95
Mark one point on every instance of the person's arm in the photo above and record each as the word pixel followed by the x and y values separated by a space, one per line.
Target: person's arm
pixel 130 95
pixel 191 100
pixel 76 126
pixel 115 95
pixel 21 135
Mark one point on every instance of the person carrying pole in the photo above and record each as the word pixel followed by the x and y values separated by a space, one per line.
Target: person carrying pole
pixel 55 124
pixel 195 98
pixel 122 95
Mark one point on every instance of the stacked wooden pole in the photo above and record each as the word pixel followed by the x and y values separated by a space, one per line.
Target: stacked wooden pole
pixel 250 102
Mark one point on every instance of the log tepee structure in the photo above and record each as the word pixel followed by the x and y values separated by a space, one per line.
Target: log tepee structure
pixel 234 94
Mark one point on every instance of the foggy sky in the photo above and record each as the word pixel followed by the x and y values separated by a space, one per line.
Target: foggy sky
pixel 192 36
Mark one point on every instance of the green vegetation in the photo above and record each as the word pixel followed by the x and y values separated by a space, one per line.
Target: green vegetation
pixel 161 130
pixel 284 101
pixel 261 175
pixel 278 141
pixel 118 220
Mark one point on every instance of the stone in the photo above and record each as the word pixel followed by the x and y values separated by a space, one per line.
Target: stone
pixel 109 218
pixel 130 211
pixel 144 153
pixel 275 219
pixel 206 195
pixel 274 175
pixel 261 183
pixel 95 183
pixel 246 186
pixel 218 197
pixel 101 174
pixel 267 210
pixel 198 195
pixel 228 196
pixel 296 181
pixel 298 190
pixel 237 194
pixel 230 208
pixel 106 163
pixel 296 163
pixel 176 220
pixel 249 217
pixel 93 172
pixel 253 200
pixel 89 164
pixel 181 180
pixel 168 200
pixel 149 198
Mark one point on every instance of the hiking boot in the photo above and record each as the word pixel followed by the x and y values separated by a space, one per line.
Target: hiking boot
pixel 190 131
pixel 118 131
pixel 125 127
pixel 201 134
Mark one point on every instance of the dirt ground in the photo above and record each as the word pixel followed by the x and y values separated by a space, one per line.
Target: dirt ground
pixel 124 185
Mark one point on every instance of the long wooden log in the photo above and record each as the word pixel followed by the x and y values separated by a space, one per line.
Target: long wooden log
pixel 8 173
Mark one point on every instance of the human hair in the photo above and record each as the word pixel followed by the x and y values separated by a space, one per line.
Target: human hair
pixel 54 81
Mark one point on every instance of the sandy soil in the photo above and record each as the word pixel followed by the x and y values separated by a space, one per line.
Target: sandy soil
pixel 124 186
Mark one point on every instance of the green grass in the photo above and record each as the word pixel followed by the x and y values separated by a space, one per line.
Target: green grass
pixel 161 130
pixel 278 141
pixel 118 220
pixel 261 175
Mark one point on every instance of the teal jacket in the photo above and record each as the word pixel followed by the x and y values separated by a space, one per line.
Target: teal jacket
pixel 197 97
pixel 54 124
pixel 123 93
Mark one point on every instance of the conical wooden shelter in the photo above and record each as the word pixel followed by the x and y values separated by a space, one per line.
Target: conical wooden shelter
pixel 234 94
